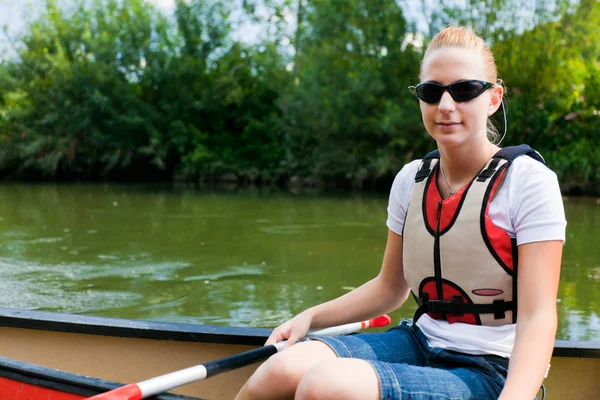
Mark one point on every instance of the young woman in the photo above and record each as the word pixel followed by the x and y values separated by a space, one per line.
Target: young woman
pixel 462 222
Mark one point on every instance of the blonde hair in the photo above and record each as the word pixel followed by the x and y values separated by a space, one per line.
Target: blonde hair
pixel 461 37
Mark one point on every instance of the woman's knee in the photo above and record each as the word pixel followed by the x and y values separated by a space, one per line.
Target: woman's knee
pixel 276 375
pixel 342 378
pixel 279 376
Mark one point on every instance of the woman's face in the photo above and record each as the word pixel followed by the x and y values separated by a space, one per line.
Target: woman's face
pixel 449 122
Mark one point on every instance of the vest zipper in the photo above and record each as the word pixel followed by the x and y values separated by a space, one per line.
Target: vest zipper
pixel 437 258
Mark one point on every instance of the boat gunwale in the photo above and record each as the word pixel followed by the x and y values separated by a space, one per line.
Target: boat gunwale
pixel 187 332
pixel 121 327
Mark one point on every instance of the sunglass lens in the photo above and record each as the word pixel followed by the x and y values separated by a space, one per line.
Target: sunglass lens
pixel 429 92
pixel 467 90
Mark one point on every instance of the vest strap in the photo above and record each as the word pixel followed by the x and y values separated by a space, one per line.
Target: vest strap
pixel 512 152
pixel 424 171
pixel 458 307
pixel 489 171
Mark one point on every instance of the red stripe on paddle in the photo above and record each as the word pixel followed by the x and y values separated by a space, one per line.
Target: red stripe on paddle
pixel 127 392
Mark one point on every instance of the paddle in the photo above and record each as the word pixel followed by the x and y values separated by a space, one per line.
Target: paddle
pixel 163 383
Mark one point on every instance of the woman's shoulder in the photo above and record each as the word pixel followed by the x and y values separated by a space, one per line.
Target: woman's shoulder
pixel 406 175
pixel 535 202
pixel 525 161
pixel 412 167
pixel 403 185
pixel 525 171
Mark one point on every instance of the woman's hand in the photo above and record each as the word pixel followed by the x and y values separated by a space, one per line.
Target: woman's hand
pixel 293 330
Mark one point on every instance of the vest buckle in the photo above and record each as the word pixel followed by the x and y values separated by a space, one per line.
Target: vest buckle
pixel 439 306
pixel 454 307
pixel 499 309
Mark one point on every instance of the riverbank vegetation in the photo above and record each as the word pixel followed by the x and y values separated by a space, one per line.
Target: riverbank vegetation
pixel 306 92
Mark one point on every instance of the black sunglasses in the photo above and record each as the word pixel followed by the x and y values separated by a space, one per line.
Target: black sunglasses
pixel 460 91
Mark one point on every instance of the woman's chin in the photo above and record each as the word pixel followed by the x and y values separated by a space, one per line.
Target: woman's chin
pixel 449 138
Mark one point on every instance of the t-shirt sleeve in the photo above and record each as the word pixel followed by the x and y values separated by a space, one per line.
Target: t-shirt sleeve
pixel 400 196
pixel 536 207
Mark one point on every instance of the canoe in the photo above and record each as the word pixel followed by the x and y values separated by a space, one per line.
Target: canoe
pixel 57 356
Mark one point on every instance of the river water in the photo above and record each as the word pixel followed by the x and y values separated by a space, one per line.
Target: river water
pixel 253 257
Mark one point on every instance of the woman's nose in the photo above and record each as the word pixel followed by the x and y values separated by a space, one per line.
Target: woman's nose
pixel 446 103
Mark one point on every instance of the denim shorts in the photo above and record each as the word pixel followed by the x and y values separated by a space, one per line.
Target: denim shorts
pixel 407 368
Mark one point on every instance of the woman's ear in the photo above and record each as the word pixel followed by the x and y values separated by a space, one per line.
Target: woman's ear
pixel 496 99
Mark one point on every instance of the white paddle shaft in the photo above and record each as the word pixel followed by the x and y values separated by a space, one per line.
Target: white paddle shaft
pixel 175 379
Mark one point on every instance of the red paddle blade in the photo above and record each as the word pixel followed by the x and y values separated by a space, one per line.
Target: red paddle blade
pixel 380 321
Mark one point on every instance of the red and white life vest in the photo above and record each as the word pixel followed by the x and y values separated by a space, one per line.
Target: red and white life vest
pixel 460 266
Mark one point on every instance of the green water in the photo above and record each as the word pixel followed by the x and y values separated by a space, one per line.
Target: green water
pixel 247 258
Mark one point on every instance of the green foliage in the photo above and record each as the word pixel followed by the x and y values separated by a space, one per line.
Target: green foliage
pixel 114 89
pixel 82 74
pixel 237 128
pixel 349 115
pixel 553 101
pixel 111 89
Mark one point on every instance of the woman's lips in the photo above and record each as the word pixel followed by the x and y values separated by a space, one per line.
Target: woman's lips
pixel 448 126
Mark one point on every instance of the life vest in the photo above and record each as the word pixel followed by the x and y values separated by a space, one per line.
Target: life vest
pixel 459 265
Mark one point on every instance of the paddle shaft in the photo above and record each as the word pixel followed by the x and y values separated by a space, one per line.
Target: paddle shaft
pixel 163 383
pixel 172 380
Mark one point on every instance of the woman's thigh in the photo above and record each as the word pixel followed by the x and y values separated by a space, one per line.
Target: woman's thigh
pixel 403 382
pixel 407 368
pixel 349 379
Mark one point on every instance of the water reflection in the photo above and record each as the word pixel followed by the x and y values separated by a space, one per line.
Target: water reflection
pixel 252 258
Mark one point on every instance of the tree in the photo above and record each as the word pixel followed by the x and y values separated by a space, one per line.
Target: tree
pixel 349 117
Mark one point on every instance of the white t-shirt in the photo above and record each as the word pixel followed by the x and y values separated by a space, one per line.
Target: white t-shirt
pixel 528 206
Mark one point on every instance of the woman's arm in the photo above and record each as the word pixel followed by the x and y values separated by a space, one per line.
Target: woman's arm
pixel 538 277
pixel 382 294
